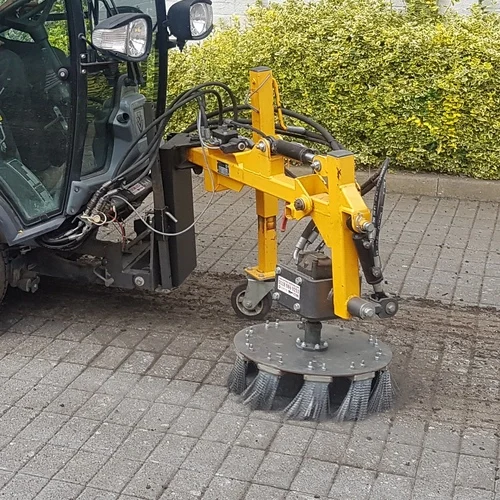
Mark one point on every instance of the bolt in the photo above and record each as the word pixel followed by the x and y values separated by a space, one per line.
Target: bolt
pixel 298 280
pixel 323 366
pixel 367 244
pixel 250 331
pixel 267 324
pixel 316 347
pixel 310 365
pixel 376 271
pixel 261 146
pixel 83 56
pixel 366 311
pixel 139 281
pixel 250 346
pixel 362 362
pixel 34 287
pixel 276 296
pixel 268 355
pixel 278 270
pixel 368 227
pixel 84 71
pixel 352 365
pixel 298 340
pixel 303 344
pixel 299 204
pixel 325 344
pixel 390 308
pixel 376 341
pixel 316 165
pixel 370 340
pixel 280 359
pixel 76 190
pixel 377 356
pixel 296 307
pixel 277 323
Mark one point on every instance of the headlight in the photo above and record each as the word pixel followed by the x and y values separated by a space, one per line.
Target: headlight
pixel 190 20
pixel 127 36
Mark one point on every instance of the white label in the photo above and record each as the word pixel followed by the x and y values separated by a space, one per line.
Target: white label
pixel 288 287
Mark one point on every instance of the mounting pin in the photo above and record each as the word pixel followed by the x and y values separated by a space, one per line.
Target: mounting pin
pixel 352 366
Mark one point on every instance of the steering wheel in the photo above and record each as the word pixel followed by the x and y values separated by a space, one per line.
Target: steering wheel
pixel 11 7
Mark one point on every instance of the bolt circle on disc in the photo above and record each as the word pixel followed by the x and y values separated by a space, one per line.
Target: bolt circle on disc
pixel 350 353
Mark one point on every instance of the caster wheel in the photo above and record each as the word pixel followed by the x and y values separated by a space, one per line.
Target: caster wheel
pixel 260 311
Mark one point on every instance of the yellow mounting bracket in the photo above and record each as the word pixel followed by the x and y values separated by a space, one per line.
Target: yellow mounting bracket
pixel 330 198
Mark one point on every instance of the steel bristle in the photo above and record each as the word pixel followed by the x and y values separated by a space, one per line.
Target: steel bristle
pixel 384 392
pixel 237 380
pixel 355 404
pixel 260 394
pixel 311 403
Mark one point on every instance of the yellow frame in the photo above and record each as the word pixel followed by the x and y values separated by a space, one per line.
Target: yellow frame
pixel 330 196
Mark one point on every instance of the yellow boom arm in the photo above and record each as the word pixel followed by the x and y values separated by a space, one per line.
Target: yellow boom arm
pixel 330 196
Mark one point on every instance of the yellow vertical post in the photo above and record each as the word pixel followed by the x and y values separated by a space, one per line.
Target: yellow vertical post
pixel 262 102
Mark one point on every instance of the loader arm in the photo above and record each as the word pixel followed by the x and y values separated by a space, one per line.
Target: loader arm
pixel 329 195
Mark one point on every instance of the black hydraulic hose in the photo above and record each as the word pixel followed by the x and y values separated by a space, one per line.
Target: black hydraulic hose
pixel 378 204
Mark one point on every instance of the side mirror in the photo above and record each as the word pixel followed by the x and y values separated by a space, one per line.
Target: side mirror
pixel 190 20
pixel 126 36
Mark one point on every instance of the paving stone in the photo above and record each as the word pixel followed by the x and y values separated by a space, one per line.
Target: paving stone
pixel 57 350
pixel 150 480
pixel 138 362
pixel 192 422
pixel 363 452
pixel 39 397
pixel 63 374
pixel 31 345
pixel 423 490
pixel 59 490
pixel 5 477
pixel 391 486
pixel 206 456
pixel 103 335
pixel 178 392
pixel 233 406
pixel 128 412
pixel 257 434
pixel 13 390
pixel 139 444
pixel 437 467
pixel 187 484
pixel 277 470
pixel 34 370
pixel 82 467
pixel 241 463
pixel 351 482
pixel 69 401
pixel 195 370
pixel 128 338
pixel 15 419
pixel 407 430
pixel 148 388
pixel 111 357
pixel 93 494
pixel 167 366
pixel 120 383
pixel 107 438
pixel 210 350
pixel 314 477
pixel 43 427
pixel 222 488
pixel 115 474
pixel 400 459
pixel 476 472
pixel 154 342
pixel 17 453
pixel 172 450
pixel 224 428
pixel 75 432
pixel 292 440
pixel 479 442
pixel 83 353
pixel 76 331
pixel 182 346
pixel 23 487
pixel 159 417
pixel 91 379
pixel 48 461
pixel 51 328
pixel 443 436
pixel 259 492
pixel 208 397
pixel 98 407
pixel 472 493
pixel 219 374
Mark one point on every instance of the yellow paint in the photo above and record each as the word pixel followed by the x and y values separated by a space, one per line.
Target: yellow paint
pixel 330 204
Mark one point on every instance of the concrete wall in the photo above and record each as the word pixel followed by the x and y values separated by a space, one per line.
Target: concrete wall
pixel 225 9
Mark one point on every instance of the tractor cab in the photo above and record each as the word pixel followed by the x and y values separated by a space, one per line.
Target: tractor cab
pixel 74 75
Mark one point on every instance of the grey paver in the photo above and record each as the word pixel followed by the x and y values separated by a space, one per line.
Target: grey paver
pixel 476 472
pixel 206 456
pixel 187 484
pixel 173 450
pixel 75 432
pixel 241 463
pixel 277 470
pixel 139 444
pixel 224 428
pixel 128 412
pixel 192 422
pixel 107 438
pixel 82 467
pixel 292 440
pixel 354 482
pixel 400 459
pixel 257 491
pixel 314 477
pixel 159 417
pixel 115 474
pixel 148 388
pixel 48 461
pixel 150 480
pixel 223 488
pixel 208 397
pixel 60 490
pixel 23 487
pixel 178 392
pixel 257 434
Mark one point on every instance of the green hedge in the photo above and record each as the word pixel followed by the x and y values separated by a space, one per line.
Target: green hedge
pixel 419 86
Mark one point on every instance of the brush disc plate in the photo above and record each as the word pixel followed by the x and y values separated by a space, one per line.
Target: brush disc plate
pixel 349 352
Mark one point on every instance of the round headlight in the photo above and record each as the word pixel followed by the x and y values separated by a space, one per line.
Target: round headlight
pixel 201 19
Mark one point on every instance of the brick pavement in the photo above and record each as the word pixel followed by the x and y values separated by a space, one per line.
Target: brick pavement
pixel 105 395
